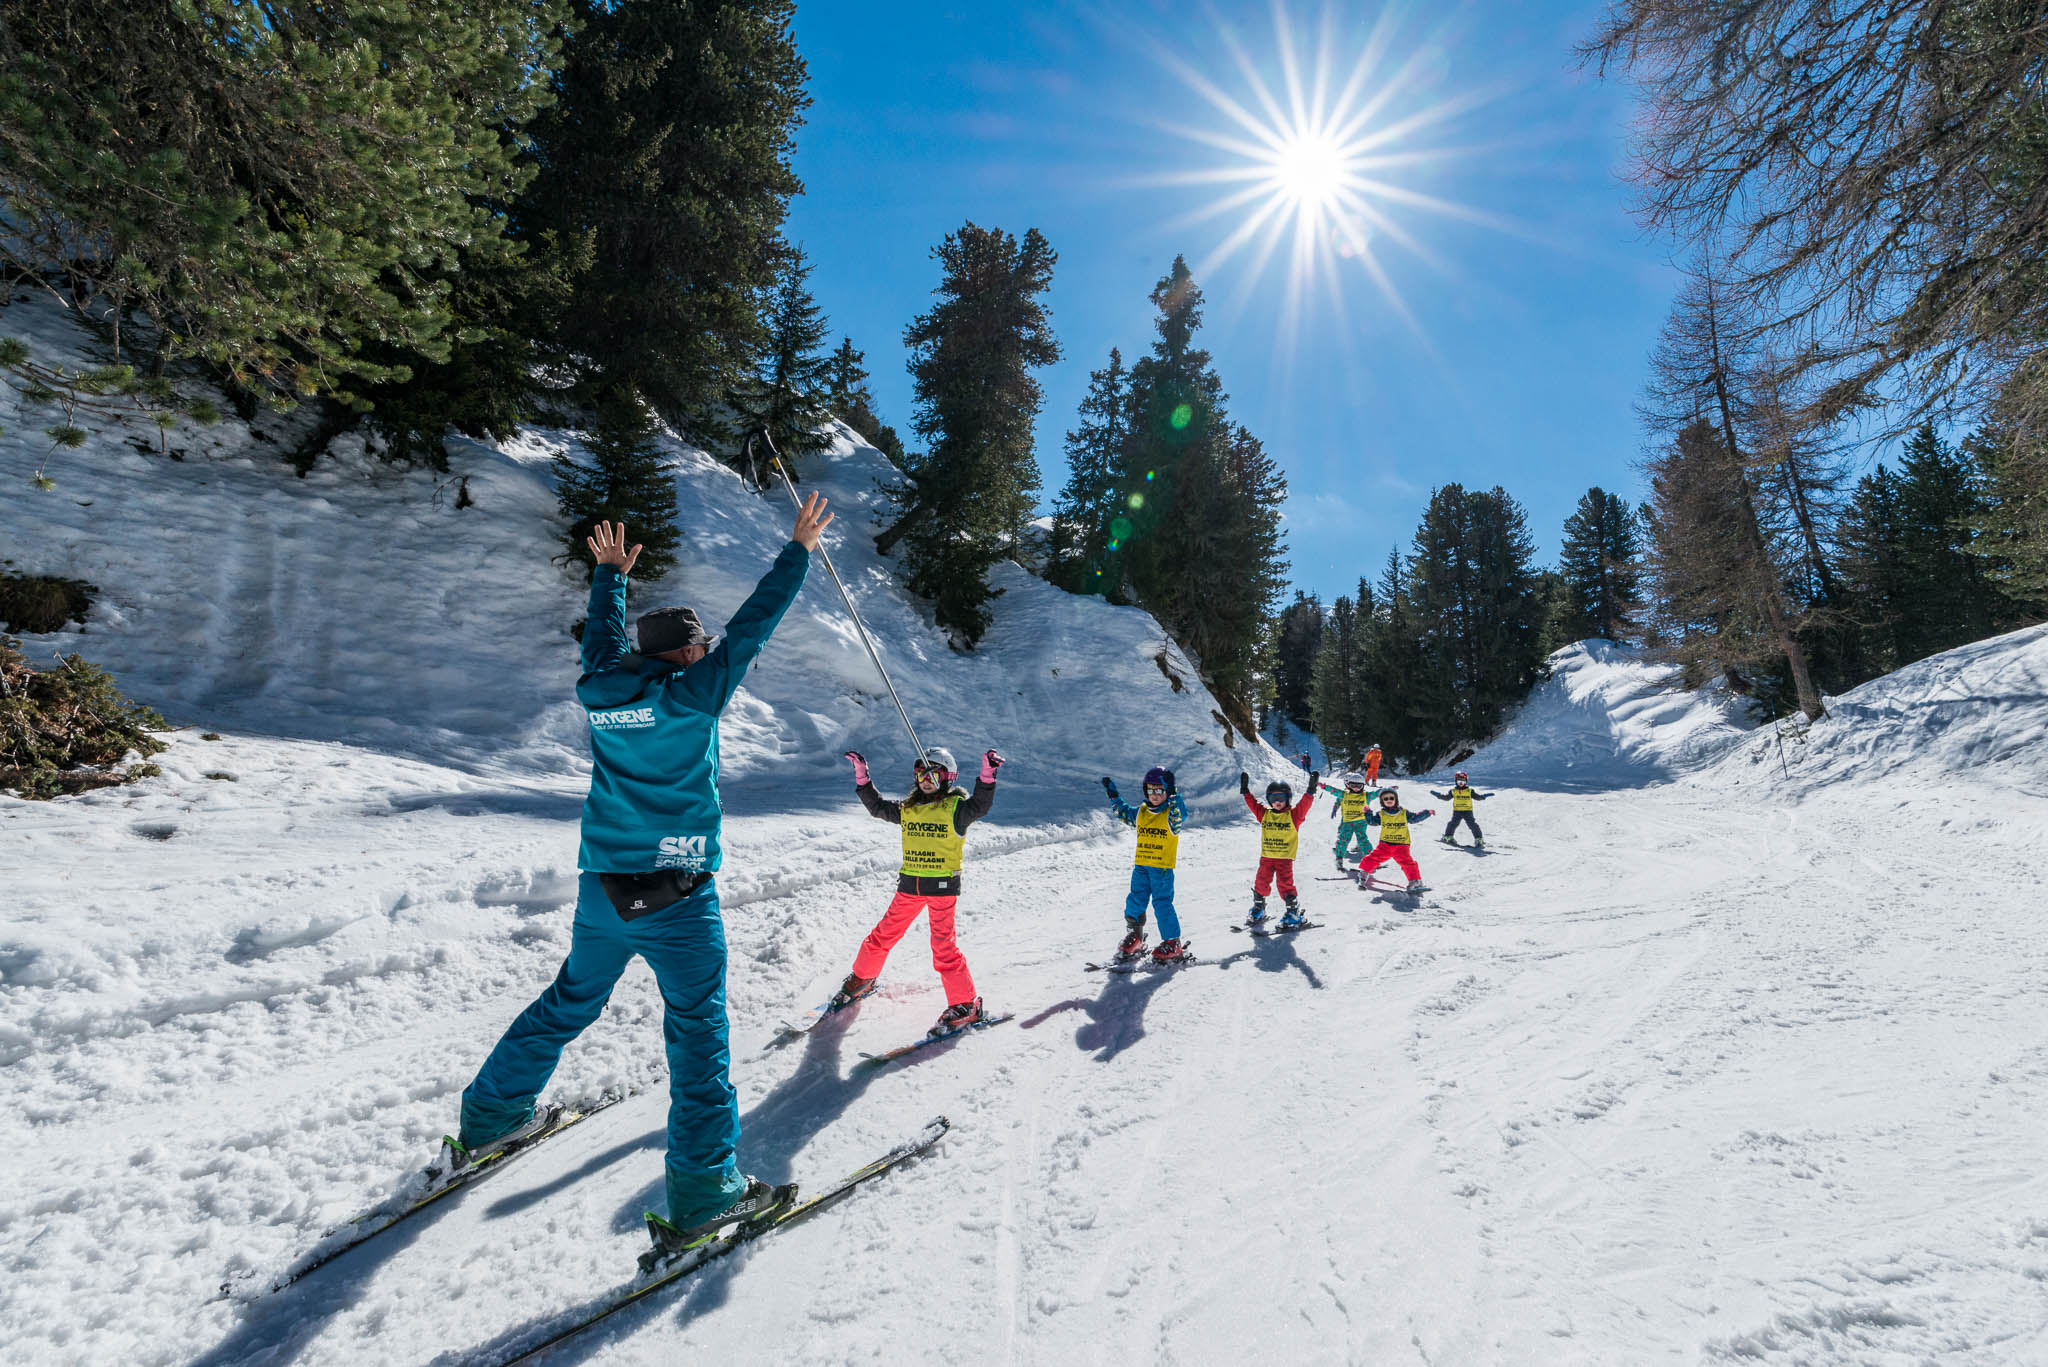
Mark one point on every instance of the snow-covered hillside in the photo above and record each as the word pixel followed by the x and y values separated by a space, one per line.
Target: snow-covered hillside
pixel 1693 1063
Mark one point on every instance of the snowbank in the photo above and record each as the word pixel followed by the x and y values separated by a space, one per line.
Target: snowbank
pixel 1607 717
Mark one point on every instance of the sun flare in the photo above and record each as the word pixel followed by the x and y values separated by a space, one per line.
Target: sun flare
pixel 1318 167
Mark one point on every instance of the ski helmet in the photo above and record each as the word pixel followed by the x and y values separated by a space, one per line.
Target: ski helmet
pixel 1389 798
pixel 1354 780
pixel 1155 777
pixel 938 762
pixel 1280 792
pixel 1461 777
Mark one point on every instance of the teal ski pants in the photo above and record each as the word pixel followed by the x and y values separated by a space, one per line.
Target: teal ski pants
pixel 1348 831
pixel 684 943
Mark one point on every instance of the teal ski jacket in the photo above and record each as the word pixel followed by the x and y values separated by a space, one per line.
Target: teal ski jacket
pixel 653 800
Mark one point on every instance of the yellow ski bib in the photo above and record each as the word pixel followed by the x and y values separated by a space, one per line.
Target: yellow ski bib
pixel 932 848
pixel 1461 799
pixel 1394 827
pixel 1352 808
pixel 1277 836
pixel 1158 842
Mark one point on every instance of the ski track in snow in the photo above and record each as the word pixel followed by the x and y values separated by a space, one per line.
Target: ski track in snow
pixel 1658 1093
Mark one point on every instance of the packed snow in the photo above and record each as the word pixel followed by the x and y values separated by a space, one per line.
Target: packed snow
pixel 1718 1052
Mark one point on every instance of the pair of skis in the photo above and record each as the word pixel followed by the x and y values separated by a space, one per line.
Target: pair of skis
pixel 818 1015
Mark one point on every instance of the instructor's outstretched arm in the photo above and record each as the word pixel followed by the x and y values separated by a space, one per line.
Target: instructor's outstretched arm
pixel 711 682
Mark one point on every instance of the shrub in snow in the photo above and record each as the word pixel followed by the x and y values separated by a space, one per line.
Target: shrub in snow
pixel 68 729
pixel 39 604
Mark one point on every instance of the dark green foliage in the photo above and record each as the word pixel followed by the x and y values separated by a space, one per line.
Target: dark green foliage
pixel 668 148
pixel 967 499
pixel 2012 521
pixel 274 189
pixel 788 393
pixel 1297 640
pixel 1472 593
pixel 1084 516
pixel 627 480
pixel 37 604
pixel 853 402
pixel 1600 569
pixel 1333 681
pixel 67 729
pixel 1171 504
pixel 1868 538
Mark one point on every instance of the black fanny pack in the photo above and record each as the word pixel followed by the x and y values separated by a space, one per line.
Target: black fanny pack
pixel 634 895
pixel 949 886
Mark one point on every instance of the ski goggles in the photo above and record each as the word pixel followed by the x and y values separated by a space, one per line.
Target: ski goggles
pixel 925 769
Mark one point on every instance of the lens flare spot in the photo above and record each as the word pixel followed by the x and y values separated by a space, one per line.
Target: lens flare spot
pixel 1183 414
pixel 1148 476
pixel 1137 500
pixel 1119 530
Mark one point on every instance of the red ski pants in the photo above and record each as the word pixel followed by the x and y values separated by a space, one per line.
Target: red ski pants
pixel 1400 854
pixel 1269 869
pixel 946 955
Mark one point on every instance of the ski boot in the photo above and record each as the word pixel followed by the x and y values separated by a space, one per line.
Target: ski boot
pixel 956 1018
pixel 1342 868
pixel 454 1157
pixel 1447 839
pixel 1414 886
pixel 1133 943
pixel 757 1203
pixel 852 990
pixel 1257 915
pixel 1478 842
pixel 1294 919
pixel 1171 952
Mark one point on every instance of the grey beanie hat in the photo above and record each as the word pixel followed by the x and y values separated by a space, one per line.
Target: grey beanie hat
pixel 666 629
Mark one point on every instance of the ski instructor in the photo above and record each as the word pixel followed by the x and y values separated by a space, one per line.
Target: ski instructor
pixel 650 850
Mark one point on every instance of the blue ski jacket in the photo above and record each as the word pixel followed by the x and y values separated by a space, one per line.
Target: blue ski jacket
pixel 653 800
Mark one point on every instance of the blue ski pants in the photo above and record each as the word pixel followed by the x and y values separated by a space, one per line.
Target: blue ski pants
pixel 1348 831
pixel 684 943
pixel 1156 886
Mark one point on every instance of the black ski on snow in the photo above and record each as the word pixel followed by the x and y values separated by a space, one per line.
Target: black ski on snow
pixel 1264 932
pixel 717 1246
pixel 821 1013
pixel 1141 963
pixel 375 1221
pixel 868 1060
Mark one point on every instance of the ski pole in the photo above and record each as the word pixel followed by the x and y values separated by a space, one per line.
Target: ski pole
pixel 775 463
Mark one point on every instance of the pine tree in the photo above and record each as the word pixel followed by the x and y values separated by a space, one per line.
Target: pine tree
pixel 280 191
pixel 668 146
pixel 1946 597
pixel 2012 530
pixel 1396 716
pixel 853 402
pixel 627 480
pixel 966 500
pixel 787 394
pixel 1086 514
pixel 1297 640
pixel 1867 538
pixel 1600 568
pixel 1331 686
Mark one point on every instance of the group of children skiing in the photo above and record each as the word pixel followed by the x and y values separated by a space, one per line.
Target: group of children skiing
pixel 935 815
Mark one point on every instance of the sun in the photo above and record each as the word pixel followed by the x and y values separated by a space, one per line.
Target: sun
pixel 1316 166
pixel 1309 170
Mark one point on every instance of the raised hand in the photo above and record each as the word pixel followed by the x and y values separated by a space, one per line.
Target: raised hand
pixel 607 542
pixel 1170 789
pixel 811 523
pixel 1109 787
pixel 990 762
pixel 860 766
pixel 1244 782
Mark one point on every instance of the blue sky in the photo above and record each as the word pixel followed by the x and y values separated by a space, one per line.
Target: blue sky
pixel 1529 308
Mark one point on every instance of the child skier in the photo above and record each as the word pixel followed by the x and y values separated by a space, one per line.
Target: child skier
pixel 1372 765
pixel 1158 824
pixel 1461 797
pixel 1279 836
pixel 1351 808
pixel 934 817
pixel 1393 822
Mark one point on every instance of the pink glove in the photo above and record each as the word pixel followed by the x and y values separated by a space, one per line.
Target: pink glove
pixel 990 762
pixel 860 768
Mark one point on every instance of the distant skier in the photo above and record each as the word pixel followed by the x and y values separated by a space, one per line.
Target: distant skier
pixel 934 815
pixel 1372 765
pixel 651 832
pixel 1158 822
pixel 1395 839
pixel 1461 797
pixel 1351 808
pixel 1279 837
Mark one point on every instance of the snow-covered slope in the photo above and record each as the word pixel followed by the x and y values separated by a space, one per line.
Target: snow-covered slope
pixel 1608 717
pixel 1661 1076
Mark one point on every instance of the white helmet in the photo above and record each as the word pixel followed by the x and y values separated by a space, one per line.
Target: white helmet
pixel 1354 779
pixel 938 760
